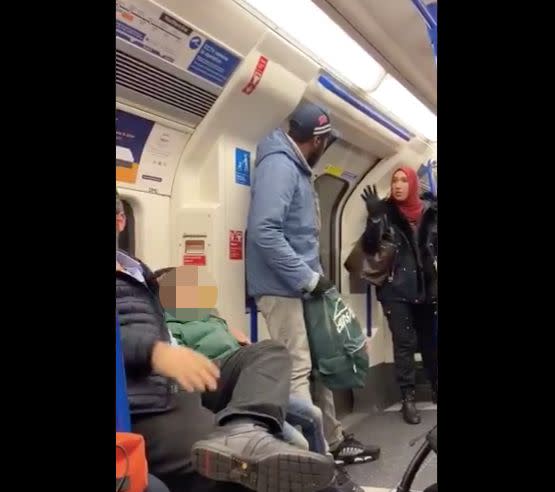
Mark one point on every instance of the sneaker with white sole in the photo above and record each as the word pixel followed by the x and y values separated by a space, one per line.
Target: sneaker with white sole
pixel 351 451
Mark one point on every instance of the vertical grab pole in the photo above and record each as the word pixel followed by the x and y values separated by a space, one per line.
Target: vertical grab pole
pixel 433 189
pixel 123 419
pixel 431 179
pixel 369 310
pixel 429 14
pixel 253 310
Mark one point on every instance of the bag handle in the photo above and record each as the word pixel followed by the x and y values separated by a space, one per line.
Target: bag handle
pixel 123 482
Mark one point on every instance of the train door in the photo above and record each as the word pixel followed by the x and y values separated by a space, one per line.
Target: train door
pixel 336 175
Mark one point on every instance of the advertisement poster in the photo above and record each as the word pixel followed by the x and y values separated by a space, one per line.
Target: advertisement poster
pixel 147 153
pixel 132 133
pixel 148 26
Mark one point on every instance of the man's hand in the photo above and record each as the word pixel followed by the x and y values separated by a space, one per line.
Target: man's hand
pixel 193 371
pixel 240 336
pixel 324 284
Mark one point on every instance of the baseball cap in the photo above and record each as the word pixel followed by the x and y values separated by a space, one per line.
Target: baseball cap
pixel 310 120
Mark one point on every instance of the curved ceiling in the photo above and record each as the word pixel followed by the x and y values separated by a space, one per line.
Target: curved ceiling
pixel 393 33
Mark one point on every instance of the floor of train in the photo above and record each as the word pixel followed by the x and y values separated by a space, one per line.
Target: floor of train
pixel 393 435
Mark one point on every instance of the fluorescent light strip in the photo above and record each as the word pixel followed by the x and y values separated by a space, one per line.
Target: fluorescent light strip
pixel 315 31
pixel 407 108
pixel 312 29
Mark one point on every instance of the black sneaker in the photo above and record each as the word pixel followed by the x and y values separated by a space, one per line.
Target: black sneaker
pixel 352 451
pixel 249 455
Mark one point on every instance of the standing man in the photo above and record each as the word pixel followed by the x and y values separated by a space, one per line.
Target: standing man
pixel 283 255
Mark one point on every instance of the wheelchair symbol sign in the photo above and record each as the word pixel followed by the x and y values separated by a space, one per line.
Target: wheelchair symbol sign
pixel 242 167
pixel 194 43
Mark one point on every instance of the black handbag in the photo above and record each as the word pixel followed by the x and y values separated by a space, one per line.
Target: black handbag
pixel 378 267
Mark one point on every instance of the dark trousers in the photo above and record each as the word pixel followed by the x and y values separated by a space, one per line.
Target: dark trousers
pixel 412 328
pixel 254 384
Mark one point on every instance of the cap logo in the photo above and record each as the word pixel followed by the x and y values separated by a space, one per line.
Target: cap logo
pixel 322 120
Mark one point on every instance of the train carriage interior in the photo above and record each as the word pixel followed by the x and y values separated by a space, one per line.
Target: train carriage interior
pixel 207 83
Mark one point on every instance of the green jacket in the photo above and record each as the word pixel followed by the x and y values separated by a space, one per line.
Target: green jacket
pixel 208 336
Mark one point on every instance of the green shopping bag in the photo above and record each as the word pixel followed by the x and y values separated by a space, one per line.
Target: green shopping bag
pixel 337 342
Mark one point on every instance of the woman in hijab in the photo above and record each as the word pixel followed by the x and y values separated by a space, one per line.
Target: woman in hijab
pixel 409 295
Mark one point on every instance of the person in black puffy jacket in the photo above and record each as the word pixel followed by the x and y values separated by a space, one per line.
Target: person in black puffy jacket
pixel 409 295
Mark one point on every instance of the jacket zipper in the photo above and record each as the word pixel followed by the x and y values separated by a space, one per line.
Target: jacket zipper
pixel 393 266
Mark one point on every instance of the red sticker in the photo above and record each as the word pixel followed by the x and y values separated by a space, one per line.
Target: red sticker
pixel 256 76
pixel 235 245
pixel 197 260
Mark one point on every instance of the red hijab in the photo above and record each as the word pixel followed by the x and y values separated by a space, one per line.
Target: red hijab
pixel 412 207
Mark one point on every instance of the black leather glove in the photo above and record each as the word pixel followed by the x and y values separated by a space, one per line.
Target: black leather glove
pixel 374 204
pixel 323 285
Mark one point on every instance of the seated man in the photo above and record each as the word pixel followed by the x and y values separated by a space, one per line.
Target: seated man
pixel 188 295
pixel 250 393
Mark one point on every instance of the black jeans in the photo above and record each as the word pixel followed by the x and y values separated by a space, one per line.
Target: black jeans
pixel 412 328
pixel 254 384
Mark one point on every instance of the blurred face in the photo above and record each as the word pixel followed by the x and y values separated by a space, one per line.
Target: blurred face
pixel 188 292
pixel 400 186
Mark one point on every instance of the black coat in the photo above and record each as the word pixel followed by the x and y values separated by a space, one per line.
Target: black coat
pixel 141 318
pixel 414 272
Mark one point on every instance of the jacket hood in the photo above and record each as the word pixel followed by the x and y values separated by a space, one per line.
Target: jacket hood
pixel 278 142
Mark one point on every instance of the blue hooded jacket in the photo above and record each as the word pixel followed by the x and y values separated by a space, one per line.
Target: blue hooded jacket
pixel 283 250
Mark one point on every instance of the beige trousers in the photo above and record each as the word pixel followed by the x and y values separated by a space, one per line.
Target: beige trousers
pixel 285 320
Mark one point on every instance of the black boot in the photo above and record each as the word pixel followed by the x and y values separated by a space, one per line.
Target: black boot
pixel 410 413
pixel 249 455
